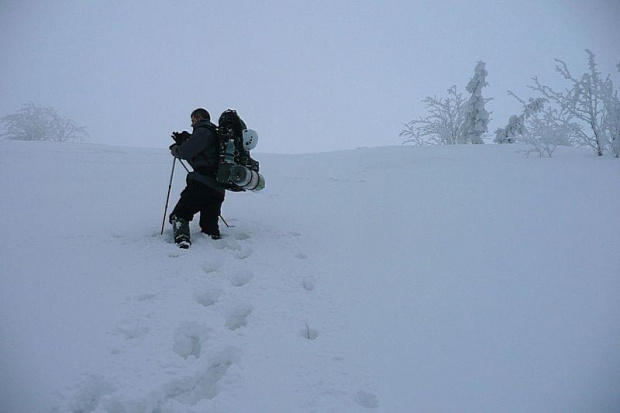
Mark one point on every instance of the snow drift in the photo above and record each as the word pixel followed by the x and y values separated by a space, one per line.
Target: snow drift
pixel 397 279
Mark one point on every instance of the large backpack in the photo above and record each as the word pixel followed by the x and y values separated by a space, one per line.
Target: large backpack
pixel 233 152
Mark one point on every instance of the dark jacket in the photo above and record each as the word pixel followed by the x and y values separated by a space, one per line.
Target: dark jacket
pixel 202 151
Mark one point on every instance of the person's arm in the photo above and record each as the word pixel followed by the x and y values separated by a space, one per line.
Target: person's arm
pixel 193 146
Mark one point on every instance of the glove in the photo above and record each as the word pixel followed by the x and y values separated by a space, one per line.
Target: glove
pixel 180 137
pixel 173 148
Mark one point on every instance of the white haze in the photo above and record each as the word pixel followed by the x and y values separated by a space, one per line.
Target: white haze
pixel 309 76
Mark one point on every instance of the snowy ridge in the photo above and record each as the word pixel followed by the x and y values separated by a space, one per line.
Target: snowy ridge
pixel 392 279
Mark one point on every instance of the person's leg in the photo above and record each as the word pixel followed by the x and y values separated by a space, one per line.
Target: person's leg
pixel 210 213
pixel 180 231
pixel 188 205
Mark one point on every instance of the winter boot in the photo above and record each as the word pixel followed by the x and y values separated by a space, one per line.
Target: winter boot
pixel 213 235
pixel 180 231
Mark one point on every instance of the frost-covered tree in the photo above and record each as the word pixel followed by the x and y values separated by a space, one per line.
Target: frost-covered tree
pixel 539 126
pixel 40 123
pixel 511 132
pixel 442 126
pixel 545 132
pixel 476 117
pixel 516 127
pixel 583 101
pixel 611 118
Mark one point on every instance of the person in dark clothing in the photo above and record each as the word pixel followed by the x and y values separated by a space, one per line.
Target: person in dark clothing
pixel 201 149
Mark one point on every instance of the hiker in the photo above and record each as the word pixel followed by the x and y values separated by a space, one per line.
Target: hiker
pixel 201 149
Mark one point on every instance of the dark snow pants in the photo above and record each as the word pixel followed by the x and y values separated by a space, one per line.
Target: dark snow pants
pixel 197 197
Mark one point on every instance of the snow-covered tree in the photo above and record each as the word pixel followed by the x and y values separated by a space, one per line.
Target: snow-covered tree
pixel 476 117
pixel 584 102
pixel 539 126
pixel 511 132
pixel 545 132
pixel 40 123
pixel 516 127
pixel 611 118
pixel 442 126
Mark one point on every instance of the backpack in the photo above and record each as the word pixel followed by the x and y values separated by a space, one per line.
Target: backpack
pixel 237 170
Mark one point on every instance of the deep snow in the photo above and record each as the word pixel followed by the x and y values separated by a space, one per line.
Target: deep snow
pixel 396 279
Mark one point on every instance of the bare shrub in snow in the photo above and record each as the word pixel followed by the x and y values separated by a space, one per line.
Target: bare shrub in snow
pixel 442 126
pixel 611 118
pixel 539 126
pixel 40 123
pixel 588 102
pixel 545 133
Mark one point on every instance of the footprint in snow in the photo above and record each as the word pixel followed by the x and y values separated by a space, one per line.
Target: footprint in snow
pixel 189 339
pixel 244 253
pixel 366 399
pixel 240 251
pixel 132 329
pixel 236 317
pixel 227 244
pixel 87 398
pixel 240 278
pixel 204 384
pixel 212 266
pixel 241 236
pixel 307 283
pixel 207 295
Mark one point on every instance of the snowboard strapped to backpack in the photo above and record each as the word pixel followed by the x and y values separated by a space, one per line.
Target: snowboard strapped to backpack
pixel 237 170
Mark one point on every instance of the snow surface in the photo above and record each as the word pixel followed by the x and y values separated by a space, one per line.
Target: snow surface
pixel 397 279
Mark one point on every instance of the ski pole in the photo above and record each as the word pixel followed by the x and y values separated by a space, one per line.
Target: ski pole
pixel 168 197
pixel 224 221
pixel 221 217
pixel 184 166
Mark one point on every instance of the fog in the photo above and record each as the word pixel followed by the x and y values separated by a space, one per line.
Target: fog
pixel 308 76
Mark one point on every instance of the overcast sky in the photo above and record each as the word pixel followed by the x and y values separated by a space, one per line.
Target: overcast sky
pixel 309 76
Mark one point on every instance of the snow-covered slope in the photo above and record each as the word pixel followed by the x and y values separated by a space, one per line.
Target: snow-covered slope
pixel 394 279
